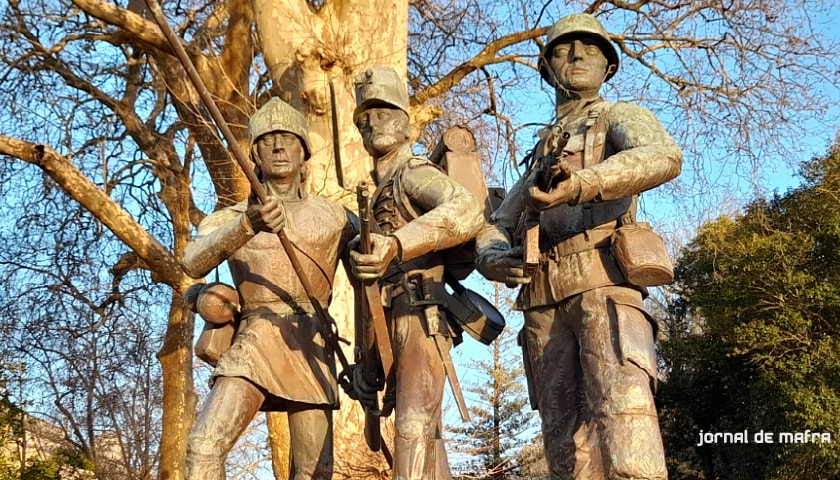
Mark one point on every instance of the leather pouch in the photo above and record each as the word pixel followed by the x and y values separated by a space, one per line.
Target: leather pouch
pixel 641 255
pixel 214 340
pixel 474 315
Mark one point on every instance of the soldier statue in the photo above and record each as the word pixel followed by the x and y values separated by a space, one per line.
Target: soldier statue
pixel 278 360
pixel 418 212
pixel 588 343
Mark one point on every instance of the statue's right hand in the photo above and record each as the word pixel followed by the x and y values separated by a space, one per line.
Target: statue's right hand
pixel 267 217
pixel 503 265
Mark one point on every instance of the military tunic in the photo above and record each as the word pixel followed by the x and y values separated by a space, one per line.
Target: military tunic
pixel 279 345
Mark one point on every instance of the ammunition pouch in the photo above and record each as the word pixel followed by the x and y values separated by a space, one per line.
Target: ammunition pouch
pixel 641 255
pixel 471 313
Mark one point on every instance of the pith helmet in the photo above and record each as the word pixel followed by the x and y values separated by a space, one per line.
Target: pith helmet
pixel 577 24
pixel 379 86
pixel 278 116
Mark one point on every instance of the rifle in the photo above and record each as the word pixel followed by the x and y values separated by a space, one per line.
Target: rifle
pixel 366 352
pixel 375 337
pixel 547 173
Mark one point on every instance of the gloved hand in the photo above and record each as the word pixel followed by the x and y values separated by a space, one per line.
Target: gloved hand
pixel 369 267
pixel 354 385
pixel 502 265
pixel 270 217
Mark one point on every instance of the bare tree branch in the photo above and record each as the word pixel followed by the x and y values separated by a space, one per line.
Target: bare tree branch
pixel 164 267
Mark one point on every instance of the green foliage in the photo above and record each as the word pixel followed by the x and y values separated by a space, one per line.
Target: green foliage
pixel 11 430
pixel 63 464
pixel 765 287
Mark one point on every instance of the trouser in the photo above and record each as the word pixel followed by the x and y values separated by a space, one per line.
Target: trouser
pixel 591 375
pixel 230 407
pixel 419 453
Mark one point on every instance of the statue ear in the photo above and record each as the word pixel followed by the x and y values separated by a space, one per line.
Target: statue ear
pixel 610 70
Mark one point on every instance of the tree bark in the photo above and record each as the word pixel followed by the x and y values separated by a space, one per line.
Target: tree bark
pixel 179 398
pixel 278 436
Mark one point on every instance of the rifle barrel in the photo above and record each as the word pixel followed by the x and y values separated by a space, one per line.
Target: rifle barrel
pixel 363 199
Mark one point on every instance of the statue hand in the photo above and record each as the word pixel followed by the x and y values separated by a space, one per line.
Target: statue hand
pixel 269 217
pixel 503 265
pixel 540 200
pixel 354 385
pixel 384 250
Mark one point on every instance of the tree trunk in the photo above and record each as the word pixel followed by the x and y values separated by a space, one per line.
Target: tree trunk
pixel 179 399
pixel 278 436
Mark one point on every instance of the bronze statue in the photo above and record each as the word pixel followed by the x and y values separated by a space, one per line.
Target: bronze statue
pixel 418 212
pixel 588 343
pixel 279 359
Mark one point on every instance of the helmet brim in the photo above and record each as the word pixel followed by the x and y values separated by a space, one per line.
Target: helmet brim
pixel 374 103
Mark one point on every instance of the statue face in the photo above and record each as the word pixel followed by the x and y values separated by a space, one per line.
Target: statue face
pixel 578 64
pixel 281 156
pixel 383 129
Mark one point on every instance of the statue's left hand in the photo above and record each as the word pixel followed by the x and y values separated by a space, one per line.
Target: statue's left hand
pixel 540 200
pixel 384 250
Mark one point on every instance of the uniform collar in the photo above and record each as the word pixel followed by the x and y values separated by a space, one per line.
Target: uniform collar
pixel 571 108
pixel 392 161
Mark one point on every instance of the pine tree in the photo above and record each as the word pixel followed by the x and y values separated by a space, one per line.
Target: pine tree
pixel 501 419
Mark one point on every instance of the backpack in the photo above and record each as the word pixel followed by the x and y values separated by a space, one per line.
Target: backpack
pixel 455 153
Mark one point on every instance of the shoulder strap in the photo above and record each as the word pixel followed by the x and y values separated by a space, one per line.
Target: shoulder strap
pixel 401 200
pixel 595 126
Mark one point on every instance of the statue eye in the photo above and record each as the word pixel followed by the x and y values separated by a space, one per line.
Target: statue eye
pixel 561 50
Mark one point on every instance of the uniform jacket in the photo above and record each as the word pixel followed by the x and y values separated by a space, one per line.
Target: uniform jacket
pixel 615 151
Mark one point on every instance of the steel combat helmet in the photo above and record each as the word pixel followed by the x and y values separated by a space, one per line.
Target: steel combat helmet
pixel 577 24
pixel 278 116
pixel 379 86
